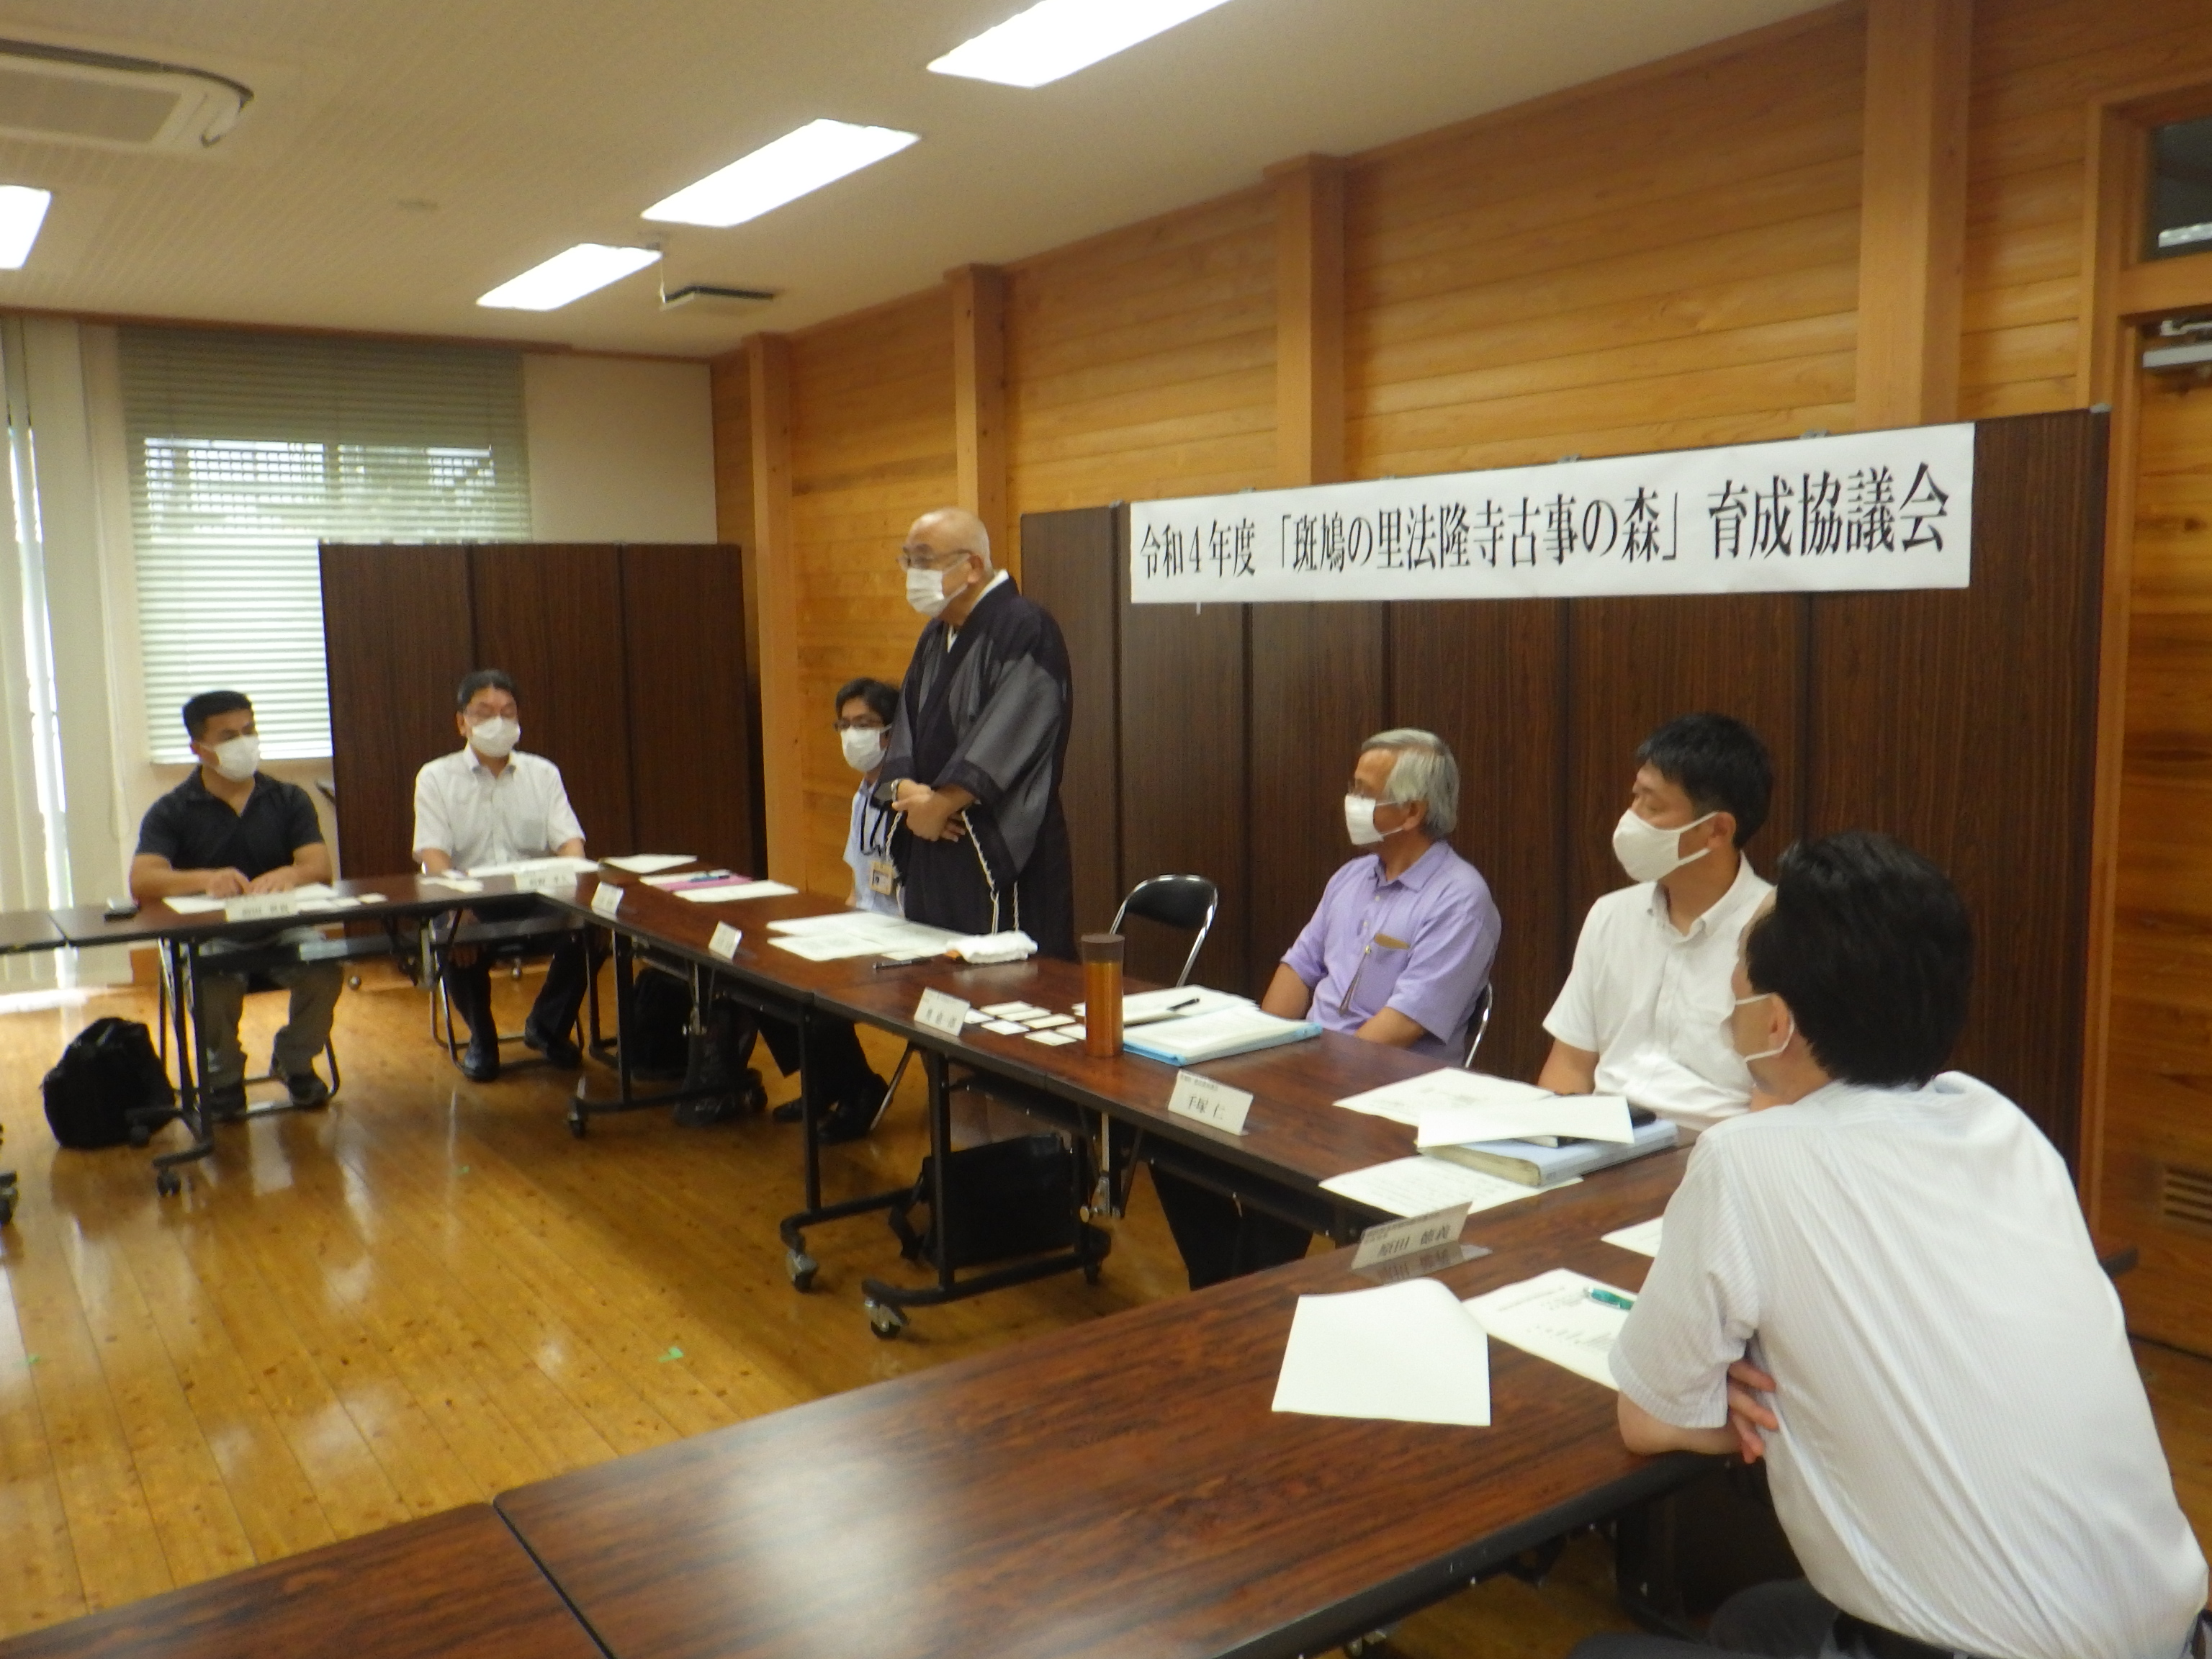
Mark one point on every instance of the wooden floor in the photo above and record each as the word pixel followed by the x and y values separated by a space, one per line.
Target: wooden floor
pixel 430 1292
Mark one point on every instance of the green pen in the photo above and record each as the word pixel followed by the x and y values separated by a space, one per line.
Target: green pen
pixel 1611 1298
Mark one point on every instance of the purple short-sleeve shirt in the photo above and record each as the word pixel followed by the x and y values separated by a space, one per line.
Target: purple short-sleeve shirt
pixel 1422 944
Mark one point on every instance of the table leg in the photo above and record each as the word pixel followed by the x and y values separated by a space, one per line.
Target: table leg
pixel 191 1066
pixel 798 1264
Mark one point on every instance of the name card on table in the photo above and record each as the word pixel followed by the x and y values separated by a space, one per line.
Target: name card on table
pixel 1410 1237
pixel 260 907
pixel 940 1012
pixel 606 899
pixel 724 942
pixel 543 881
pixel 1215 1104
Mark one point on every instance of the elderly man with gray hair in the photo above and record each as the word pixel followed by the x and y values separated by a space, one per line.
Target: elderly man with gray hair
pixel 1398 951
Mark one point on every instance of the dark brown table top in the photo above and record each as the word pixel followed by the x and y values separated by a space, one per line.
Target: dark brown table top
pixel 456 1585
pixel 28 930
pixel 397 896
pixel 678 925
pixel 1295 1130
pixel 1119 1488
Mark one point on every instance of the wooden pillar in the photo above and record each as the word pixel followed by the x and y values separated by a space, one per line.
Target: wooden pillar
pixel 767 358
pixel 979 401
pixel 1912 210
pixel 1309 321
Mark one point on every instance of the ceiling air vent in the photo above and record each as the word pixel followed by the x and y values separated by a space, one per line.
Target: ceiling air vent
pixel 65 96
pixel 2186 1196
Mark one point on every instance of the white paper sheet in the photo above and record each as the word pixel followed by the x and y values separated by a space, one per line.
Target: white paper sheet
pixel 736 890
pixel 1405 1353
pixel 456 884
pixel 548 867
pixel 195 904
pixel 1408 1101
pixel 1051 1039
pixel 1006 1027
pixel 1013 1010
pixel 649 864
pixel 682 875
pixel 1415 1185
pixel 1584 1117
pixel 1175 1002
pixel 858 933
pixel 1552 1316
pixel 1642 1237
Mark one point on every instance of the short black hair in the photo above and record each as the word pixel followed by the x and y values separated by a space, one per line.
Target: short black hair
pixel 1718 762
pixel 484 679
pixel 206 706
pixel 882 699
pixel 1871 946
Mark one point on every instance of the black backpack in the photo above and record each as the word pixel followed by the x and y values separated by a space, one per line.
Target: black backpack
pixel 1008 1198
pixel 108 1075
pixel 658 1033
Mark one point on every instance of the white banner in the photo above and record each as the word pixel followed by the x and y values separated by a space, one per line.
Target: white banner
pixel 1889 509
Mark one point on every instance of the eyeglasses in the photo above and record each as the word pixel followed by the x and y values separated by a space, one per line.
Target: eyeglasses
pixel 908 561
pixel 868 725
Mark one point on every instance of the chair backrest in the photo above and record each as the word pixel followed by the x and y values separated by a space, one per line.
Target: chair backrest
pixel 1187 902
pixel 1478 1023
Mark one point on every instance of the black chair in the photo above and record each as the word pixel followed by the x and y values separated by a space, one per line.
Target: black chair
pixel 1477 1024
pixel 506 943
pixel 1187 902
pixel 257 984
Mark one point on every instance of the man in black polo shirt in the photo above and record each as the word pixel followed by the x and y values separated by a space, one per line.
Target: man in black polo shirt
pixel 225 830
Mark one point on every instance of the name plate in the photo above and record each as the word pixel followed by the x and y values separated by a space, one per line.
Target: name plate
pixel 1415 1234
pixel 724 944
pixel 259 907
pixel 941 1012
pixel 543 881
pixel 606 899
pixel 1214 1104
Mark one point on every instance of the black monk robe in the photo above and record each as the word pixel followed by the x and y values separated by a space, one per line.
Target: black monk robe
pixel 985 708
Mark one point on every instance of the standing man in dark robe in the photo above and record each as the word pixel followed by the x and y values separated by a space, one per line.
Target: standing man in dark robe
pixel 975 753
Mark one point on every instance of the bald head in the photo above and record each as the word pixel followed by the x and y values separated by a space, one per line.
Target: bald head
pixel 947 530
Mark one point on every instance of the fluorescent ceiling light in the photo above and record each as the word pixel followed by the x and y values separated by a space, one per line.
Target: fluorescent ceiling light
pixel 583 269
pixel 820 153
pixel 1058 37
pixel 22 210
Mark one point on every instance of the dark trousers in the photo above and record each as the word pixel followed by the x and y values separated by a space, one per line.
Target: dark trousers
pixel 1219 1237
pixel 568 977
pixel 841 1078
pixel 1789 1620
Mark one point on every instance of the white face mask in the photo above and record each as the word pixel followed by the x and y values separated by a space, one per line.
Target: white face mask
pixel 1649 853
pixel 1359 821
pixel 238 758
pixel 864 746
pixel 496 737
pixel 925 591
pixel 1729 1024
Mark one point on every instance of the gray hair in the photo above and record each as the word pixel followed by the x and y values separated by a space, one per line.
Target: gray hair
pixel 1425 771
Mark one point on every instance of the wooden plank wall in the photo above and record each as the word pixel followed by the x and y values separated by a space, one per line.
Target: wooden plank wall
pixel 871 450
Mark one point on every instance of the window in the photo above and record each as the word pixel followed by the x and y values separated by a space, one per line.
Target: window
pixel 2181 189
pixel 247 450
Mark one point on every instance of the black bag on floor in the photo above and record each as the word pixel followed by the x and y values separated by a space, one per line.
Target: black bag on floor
pixel 718 1054
pixel 108 1073
pixel 1009 1198
pixel 658 1032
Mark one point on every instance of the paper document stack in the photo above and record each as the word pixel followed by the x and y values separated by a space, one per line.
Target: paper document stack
pixel 1554 1317
pixel 856 933
pixel 1545 1166
pixel 1416 1186
pixel 1406 1352
pixel 647 864
pixel 1175 1002
pixel 1216 1036
pixel 1409 1101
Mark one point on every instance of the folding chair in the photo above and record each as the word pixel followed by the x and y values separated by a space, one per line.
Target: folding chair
pixel 512 941
pixel 1478 1025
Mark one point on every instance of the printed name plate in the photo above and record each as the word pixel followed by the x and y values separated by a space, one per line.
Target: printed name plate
pixel 1215 1104
pixel 941 1012
pixel 606 899
pixel 1414 1234
pixel 260 907
pixel 543 881
pixel 724 943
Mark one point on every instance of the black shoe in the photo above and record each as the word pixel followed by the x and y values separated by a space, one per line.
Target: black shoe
pixel 307 1090
pixel 558 1051
pixel 790 1112
pixel 223 1103
pixel 480 1060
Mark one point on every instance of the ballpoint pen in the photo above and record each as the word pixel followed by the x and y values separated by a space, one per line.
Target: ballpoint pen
pixel 1611 1298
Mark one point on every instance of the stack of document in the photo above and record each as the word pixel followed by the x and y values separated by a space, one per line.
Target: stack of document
pixel 1175 1002
pixel 857 933
pixel 647 864
pixel 1216 1036
pixel 1539 1165
pixel 1515 1131
pixel 546 866
pixel 1419 1186
pixel 1410 1101
pixel 1409 1353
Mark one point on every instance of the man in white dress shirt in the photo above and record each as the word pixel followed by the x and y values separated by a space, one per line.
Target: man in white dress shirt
pixel 1640 1014
pixel 489 802
pixel 1882 1284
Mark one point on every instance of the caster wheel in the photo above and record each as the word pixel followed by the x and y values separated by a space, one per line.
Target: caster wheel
pixel 578 1124
pixel 168 1184
pixel 886 1321
pixel 802 1267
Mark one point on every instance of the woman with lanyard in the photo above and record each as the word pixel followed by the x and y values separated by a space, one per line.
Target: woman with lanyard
pixel 865 709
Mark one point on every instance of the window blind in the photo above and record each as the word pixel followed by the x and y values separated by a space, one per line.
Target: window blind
pixel 247 450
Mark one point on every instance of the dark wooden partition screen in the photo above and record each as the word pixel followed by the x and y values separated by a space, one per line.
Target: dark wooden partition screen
pixel 631 665
pixel 1961 721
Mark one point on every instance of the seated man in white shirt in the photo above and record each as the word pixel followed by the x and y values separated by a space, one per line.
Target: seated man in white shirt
pixel 1640 1014
pixel 489 802
pixel 1882 1284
